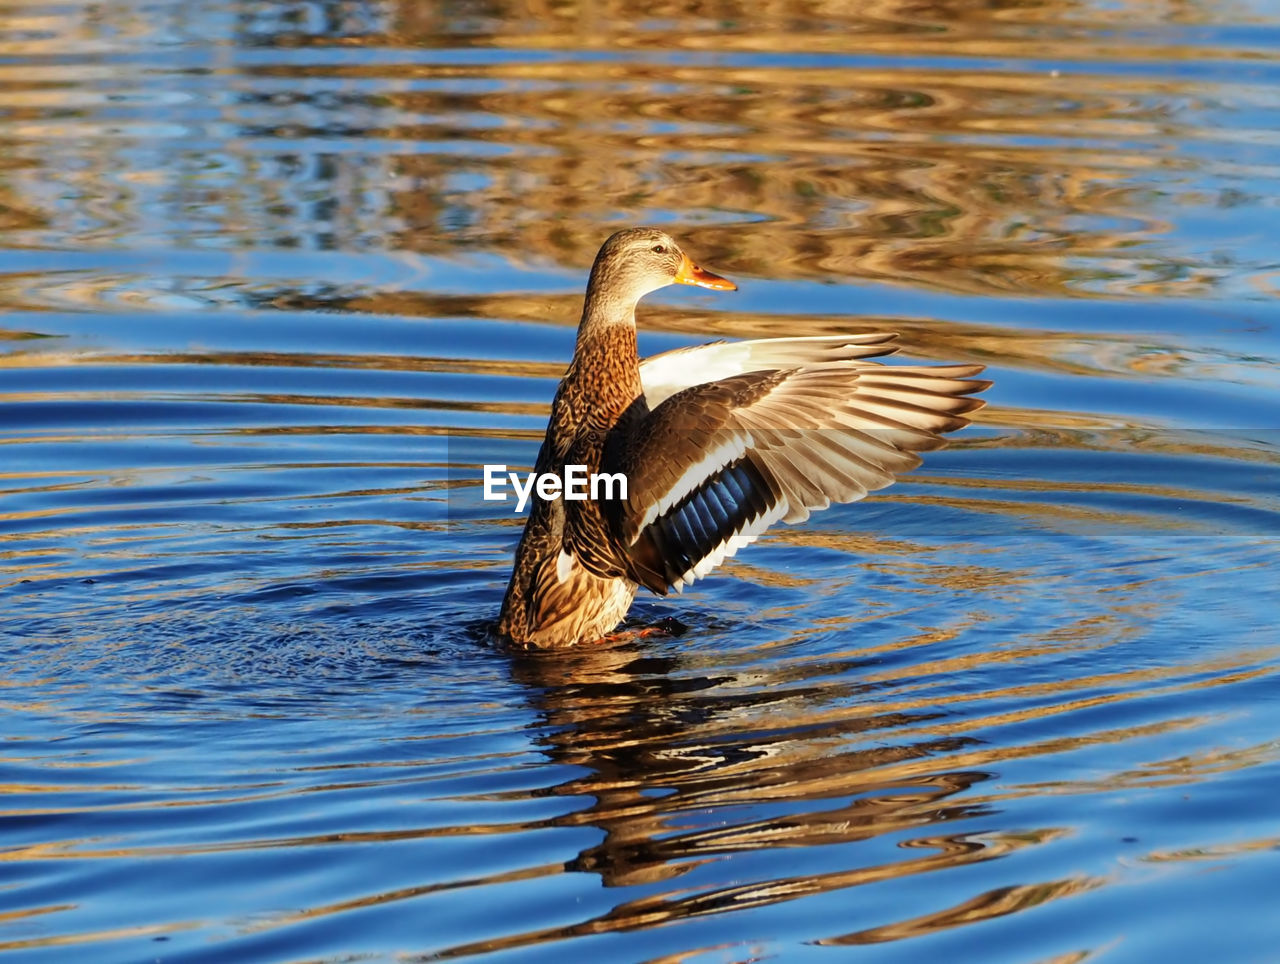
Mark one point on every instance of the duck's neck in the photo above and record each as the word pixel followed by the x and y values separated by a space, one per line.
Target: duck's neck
pixel 606 321
pixel 606 364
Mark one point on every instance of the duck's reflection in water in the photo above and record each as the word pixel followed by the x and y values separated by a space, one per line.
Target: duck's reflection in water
pixel 684 774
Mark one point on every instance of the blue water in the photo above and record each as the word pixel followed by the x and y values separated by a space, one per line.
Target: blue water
pixel 277 280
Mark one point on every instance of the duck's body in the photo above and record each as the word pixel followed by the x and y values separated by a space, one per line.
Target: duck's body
pixel 716 443
pixel 541 609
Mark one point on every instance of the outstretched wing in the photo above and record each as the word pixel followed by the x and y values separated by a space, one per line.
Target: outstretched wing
pixel 673 371
pixel 714 465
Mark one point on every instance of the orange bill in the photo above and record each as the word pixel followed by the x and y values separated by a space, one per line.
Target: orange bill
pixel 691 274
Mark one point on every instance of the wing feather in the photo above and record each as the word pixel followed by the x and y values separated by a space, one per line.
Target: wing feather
pixel 715 463
pixel 673 371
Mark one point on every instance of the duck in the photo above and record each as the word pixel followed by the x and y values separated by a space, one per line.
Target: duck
pixel 716 443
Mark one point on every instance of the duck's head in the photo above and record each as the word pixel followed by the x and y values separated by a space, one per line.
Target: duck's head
pixel 637 261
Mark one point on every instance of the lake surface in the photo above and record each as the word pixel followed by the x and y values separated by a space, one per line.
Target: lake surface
pixel 276 279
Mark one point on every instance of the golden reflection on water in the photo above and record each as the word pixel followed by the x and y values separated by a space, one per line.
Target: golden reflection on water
pixel 910 174
pixel 806 199
pixel 993 903
pixel 1030 181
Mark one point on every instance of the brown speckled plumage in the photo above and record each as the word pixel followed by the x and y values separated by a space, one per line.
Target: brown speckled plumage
pixel 740 435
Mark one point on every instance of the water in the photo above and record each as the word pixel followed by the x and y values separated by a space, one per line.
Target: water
pixel 277 278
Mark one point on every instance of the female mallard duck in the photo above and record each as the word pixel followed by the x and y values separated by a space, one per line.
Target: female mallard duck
pixel 716 443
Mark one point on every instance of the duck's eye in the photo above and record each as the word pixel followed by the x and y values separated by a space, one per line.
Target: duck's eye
pixel 659 249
